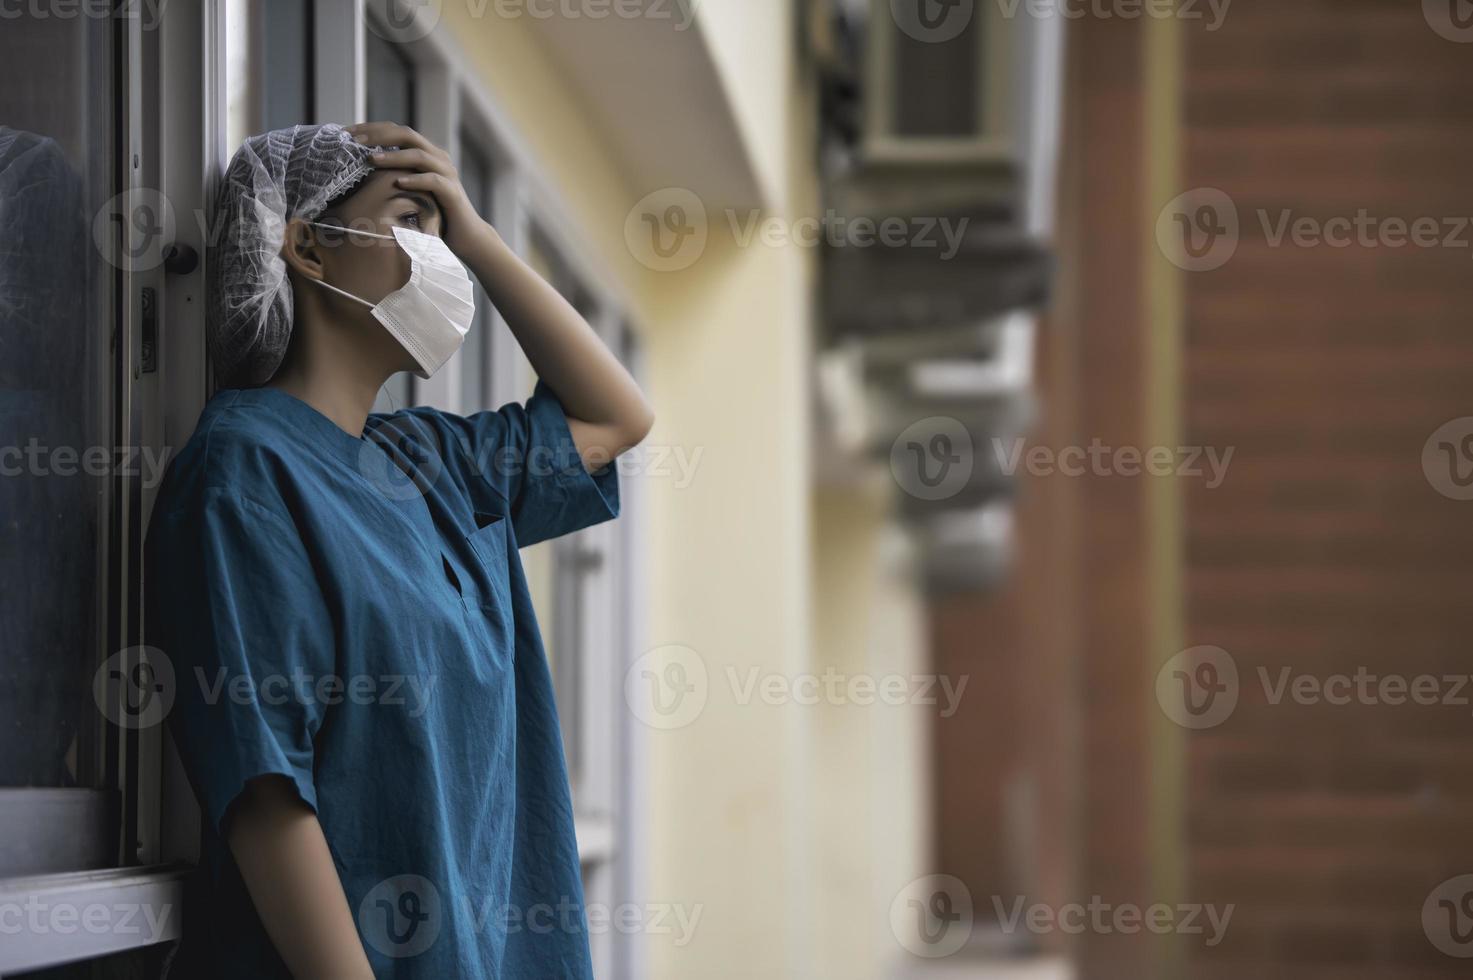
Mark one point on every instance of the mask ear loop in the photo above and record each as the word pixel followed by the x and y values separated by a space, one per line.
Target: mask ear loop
pixel 344 292
pixel 355 231
pixel 350 231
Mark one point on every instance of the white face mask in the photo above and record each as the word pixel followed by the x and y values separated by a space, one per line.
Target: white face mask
pixel 431 313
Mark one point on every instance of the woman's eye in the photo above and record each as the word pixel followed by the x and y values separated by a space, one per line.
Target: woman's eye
pixel 412 218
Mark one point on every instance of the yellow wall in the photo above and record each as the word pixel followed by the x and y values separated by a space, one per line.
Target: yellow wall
pixel 869 811
pixel 730 554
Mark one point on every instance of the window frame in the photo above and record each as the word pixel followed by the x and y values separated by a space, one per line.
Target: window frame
pixel 151 103
pixel 126 890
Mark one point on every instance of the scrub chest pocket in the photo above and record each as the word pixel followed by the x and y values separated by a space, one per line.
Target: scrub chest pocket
pixel 490 596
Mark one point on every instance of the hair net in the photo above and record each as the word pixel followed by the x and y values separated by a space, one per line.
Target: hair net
pixel 273 177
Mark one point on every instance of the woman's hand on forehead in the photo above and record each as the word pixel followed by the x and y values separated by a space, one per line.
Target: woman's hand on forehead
pixel 432 172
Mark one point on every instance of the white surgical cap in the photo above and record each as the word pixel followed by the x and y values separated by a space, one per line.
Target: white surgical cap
pixel 273 177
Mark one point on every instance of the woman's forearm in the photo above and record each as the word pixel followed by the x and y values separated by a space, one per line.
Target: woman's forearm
pixel 563 349
pixel 283 858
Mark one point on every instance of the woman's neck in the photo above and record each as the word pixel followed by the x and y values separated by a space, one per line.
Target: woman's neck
pixel 339 379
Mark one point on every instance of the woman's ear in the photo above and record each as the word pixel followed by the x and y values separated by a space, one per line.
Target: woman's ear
pixel 301 250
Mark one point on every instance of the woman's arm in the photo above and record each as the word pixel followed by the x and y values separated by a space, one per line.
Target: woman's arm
pixel 607 413
pixel 287 868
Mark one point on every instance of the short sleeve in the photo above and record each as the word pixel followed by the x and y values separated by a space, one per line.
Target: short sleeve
pixel 236 608
pixel 528 456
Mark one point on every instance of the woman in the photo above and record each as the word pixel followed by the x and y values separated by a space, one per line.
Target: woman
pixel 362 701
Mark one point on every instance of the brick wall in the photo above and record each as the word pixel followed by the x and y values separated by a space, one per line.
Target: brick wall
pixel 1327 549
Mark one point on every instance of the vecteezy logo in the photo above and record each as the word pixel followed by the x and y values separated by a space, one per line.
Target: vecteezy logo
pixel 1447 917
pixel 132 228
pixel 406 20
pixel 932 459
pixel 1447 459
pixel 1451 19
pixel 667 687
pixel 932 21
pixel 932 916
pixel 1198 688
pixel 667 230
pixel 1198 231
pixel 402 457
pixel 400 916
pixel 134 688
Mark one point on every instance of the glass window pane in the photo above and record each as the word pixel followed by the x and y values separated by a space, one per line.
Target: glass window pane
pixel 57 163
pixel 546 259
pixel 390 94
pixel 270 71
pixel 287 81
pixel 476 176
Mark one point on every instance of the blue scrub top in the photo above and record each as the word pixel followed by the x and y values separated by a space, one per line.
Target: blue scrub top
pixel 352 614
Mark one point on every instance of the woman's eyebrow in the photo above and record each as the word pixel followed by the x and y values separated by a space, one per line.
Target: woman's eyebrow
pixel 427 203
